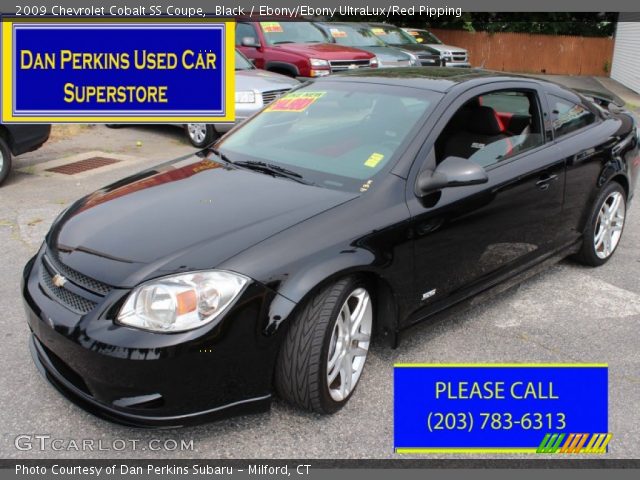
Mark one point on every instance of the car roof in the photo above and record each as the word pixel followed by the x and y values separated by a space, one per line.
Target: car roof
pixel 382 24
pixel 345 24
pixel 439 79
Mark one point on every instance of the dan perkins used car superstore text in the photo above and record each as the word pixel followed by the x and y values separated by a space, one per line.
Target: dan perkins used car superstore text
pixel 123 469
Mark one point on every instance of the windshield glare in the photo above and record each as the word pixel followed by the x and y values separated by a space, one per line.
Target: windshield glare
pixel 393 36
pixel 292 32
pixel 336 135
pixel 242 63
pixel 354 37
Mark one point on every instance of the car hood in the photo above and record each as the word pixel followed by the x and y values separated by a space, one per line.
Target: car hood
pixel 415 48
pixel 188 214
pixel 387 54
pixel 325 51
pixel 444 48
pixel 263 81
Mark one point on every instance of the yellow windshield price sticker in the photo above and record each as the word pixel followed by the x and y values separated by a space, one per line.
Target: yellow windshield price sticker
pixel 378 31
pixel 336 33
pixel 373 160
pixel 271 27
pixel 295 102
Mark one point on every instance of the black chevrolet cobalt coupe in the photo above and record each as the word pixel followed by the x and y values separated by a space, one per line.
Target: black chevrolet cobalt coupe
pixel 346 211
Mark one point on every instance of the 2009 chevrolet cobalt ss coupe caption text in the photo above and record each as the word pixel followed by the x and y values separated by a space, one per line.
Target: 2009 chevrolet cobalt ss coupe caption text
pixel 347 210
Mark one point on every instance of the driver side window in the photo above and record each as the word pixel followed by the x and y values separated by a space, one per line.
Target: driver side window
pixel 492 127
pixel 245 30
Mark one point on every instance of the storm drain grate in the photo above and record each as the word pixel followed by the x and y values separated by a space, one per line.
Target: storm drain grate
pixel 83 165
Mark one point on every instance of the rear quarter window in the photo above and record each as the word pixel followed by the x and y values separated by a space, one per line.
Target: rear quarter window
pixel 568 117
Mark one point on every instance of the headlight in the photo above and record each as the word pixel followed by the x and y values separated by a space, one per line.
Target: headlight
pixel 181 302
pixel 373 63
pixel 246 96
pixel 316 62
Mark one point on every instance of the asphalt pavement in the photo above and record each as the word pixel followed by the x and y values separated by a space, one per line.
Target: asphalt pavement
pixel 567 314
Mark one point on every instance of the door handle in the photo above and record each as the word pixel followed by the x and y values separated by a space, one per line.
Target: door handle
pixel 545 180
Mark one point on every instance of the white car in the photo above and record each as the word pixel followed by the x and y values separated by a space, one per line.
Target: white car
pixel 450 56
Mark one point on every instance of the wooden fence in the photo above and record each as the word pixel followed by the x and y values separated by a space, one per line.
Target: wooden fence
pixel 530 53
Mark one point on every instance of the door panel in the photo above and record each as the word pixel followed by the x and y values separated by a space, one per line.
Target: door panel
pixel 476 233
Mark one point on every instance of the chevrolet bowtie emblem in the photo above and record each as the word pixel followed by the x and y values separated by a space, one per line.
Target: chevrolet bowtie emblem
pixel 59 281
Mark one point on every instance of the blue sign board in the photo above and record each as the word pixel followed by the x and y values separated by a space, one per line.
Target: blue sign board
pixel 117 71
pixel 493 408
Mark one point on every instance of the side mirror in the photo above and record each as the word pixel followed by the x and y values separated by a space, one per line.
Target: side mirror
pixel 452 172
pixel 250 42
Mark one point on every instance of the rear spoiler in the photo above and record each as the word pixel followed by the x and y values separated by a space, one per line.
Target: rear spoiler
pixel 604 99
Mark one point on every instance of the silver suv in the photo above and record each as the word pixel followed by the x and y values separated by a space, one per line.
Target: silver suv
pixel 450 56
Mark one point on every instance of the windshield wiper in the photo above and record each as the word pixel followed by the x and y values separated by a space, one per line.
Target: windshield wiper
pixel 283 41
pixel 275 170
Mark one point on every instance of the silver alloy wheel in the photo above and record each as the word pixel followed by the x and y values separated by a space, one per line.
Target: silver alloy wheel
pixel 197 131
pixel 609 225
pixel 1 160
pixel 349 344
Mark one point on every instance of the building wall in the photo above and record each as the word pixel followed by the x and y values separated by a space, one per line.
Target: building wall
pixel 626 52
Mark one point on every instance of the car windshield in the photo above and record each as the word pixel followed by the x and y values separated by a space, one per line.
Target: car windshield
pixel 393 35
pixel 292 32
pixel 242 63
pixel 354 36
pixel 334 134
pixel 422 36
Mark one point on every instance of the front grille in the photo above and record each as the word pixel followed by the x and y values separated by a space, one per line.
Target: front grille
pixel 343 65
pixel 459 56
pixel 270 96
pixel 68 299
pixel 78 278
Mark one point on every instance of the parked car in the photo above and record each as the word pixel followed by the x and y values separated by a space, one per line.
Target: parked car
pixel 360 36
pixel 254 89
pixel 353 207
pixel 16 139
pixel 297 49
pixel 449 55
pixel 398 38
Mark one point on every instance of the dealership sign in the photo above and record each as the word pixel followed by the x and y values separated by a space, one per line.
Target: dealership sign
pixel 501 408
pixel 117 71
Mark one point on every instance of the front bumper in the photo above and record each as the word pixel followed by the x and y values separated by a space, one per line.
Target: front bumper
pixel 150 379
pixel 456 64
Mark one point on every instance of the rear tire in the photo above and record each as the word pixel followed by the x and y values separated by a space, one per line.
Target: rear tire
pixel 604 227
pixel 325 349
pixel 5 160
pixel 201 134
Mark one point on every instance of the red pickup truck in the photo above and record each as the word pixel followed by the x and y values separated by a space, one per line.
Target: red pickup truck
pixel 297 49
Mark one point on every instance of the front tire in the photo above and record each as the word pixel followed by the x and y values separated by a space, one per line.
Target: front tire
pixel 325 349
pixel 605 225
pixel 201 134
pixel 5 160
